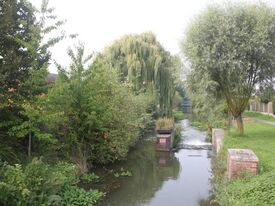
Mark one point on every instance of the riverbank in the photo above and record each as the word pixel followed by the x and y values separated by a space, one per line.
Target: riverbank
pixel 259 190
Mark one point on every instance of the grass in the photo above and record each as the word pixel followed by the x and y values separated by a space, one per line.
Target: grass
pixel 259 115
pixel 260 138
pixel 258 190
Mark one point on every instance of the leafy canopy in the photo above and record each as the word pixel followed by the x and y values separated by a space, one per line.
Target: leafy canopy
pixel 234 46
pixel 145 64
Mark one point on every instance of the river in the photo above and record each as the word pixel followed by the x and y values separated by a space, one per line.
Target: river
pixel 179 178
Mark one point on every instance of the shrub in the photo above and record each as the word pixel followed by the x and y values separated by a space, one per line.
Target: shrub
pixel 177 138
pixel 123 173
pixel 165 123
pixel 91 177
pixel 74 195
pixel 39 183
pixel 13 188
pixel 178 115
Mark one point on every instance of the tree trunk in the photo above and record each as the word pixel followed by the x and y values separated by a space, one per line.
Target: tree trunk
pixel 30 143
pixel 239 120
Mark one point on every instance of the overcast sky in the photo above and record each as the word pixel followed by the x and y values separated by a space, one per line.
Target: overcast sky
pixel 100 22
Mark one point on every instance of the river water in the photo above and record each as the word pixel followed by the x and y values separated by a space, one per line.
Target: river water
pixel 179 178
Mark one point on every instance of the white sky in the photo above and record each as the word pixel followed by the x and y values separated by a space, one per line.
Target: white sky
pixel 100 22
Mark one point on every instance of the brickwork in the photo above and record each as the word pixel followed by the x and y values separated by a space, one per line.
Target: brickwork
pixel 241 160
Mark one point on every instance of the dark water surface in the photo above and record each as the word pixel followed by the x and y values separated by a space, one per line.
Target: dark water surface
pixel 181 178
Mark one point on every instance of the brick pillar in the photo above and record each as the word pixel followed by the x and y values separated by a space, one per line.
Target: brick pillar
pixel 241 160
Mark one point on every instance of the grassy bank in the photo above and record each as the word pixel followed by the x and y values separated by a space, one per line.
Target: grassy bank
pixel 259 115
pixel 259 190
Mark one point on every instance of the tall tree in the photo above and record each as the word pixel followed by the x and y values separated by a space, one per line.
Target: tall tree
pixel 24 57
pixel 145 64
pixel 207 105
pixel 234 45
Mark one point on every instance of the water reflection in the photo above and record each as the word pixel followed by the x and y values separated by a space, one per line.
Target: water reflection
pixel 150 170
pixel 163 178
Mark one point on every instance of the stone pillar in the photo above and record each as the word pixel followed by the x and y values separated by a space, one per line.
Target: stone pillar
pixel 217 138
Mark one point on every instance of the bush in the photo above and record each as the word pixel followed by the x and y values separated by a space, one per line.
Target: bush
pixel 165 123
pixel 177 139
pixel 39 183
pixel 91 177
pixel 74 195
pixel 178 115
pixel 97 127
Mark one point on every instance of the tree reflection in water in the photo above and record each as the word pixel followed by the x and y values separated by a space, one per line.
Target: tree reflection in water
pixel 150 170
pixel 162 178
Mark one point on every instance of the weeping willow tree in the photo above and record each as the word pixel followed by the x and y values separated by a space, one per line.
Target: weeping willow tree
pixel 143 63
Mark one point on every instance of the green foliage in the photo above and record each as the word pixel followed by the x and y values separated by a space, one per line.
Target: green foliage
pixel 123 173
pixel 17 56
pixel 177 138
pixel 143 63
pixel 266 93
pixel 92 103
pixel 89 177
pixel 257 190
pixel 200 125
pixel 207 107
pixel 178 115
pixel 76 196
pixel 233 46
pixel 39 183
pixel 165 123
pixel 23 69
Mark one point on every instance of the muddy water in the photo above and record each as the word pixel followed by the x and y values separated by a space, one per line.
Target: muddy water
pixel 161 178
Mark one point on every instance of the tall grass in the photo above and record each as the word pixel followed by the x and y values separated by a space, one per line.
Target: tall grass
pixel 165 123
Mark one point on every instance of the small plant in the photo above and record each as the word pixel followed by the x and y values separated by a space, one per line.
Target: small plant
pixel 123 173
pixel 177 136
pixel 74 195
pixel 178 115
pixel 91 177
pixel 39 183
pixel 165 123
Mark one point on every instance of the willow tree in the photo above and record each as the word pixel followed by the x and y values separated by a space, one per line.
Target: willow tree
pixel 146 65
pixel 234 46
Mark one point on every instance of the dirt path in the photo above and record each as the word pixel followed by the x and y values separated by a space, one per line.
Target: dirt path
pixel 263 121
